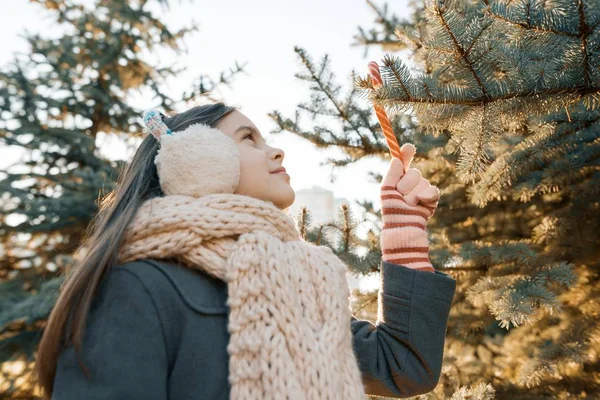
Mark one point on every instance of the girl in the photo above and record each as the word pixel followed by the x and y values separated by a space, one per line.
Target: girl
pixel 196 285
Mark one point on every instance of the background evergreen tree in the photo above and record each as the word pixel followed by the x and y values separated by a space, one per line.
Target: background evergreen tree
pixel 54 101
pixel 501 100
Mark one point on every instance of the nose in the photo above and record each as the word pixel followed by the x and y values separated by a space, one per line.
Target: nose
pixel 277 153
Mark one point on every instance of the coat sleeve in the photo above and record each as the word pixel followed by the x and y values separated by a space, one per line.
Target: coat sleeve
pixel 123 347
pixel 401 354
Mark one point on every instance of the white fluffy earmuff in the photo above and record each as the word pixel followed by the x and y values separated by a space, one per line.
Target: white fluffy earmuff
pixel 196 161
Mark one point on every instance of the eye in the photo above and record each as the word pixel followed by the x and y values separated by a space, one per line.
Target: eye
pixel 249 135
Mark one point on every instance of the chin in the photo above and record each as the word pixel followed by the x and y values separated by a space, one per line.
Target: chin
pixel 285 199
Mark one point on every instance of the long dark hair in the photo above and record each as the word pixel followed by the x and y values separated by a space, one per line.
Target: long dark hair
pixel 136 183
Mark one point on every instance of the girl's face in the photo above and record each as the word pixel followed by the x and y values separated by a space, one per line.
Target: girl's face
pixel 258 160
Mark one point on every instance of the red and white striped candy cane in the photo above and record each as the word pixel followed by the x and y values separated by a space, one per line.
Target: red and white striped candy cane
pixel 384 121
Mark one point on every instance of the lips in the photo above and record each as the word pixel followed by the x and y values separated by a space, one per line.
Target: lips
pixel 280 169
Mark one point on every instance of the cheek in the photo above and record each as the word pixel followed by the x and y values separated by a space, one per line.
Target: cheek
pixel 254 166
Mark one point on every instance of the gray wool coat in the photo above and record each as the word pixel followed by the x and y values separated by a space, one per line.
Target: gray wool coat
pixel 158 330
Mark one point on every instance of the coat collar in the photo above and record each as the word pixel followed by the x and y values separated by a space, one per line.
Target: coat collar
pixel 200 291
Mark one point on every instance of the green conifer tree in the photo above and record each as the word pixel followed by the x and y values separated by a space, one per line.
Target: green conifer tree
pixel 501 100
pixel 54 101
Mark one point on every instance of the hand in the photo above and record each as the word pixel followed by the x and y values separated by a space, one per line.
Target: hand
pixel 407 202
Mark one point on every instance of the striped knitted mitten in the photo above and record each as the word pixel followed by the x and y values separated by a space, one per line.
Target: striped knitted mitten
pixel 407 202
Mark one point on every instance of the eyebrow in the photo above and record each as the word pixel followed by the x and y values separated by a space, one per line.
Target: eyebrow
pixel 250 128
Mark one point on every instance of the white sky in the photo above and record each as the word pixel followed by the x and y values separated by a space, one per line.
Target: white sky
pixel 263 34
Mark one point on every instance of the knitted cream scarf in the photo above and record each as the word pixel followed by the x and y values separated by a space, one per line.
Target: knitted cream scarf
pixel 289 315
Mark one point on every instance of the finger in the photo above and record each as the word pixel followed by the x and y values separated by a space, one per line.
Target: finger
pixel 393 174
pixel 409 181
pixel 411 197
pixel 427 208
pixel 430 205
pixel 407 152
pixel 430 193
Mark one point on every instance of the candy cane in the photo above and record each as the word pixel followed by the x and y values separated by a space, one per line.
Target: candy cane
pixel 384 121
